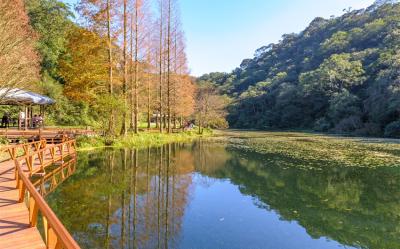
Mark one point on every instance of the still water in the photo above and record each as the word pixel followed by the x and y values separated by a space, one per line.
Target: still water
pixel 213 195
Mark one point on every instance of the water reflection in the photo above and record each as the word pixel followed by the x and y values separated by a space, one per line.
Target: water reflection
pixel 126 198
pixel 54 176
pixel 146 199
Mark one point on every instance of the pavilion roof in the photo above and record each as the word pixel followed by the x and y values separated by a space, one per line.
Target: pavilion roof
pixel 16 96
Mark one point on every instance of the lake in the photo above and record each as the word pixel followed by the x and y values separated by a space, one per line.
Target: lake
pixel 215 194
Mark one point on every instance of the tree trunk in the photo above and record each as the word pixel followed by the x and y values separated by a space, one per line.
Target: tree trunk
pixel 148 105
pixel 125 80
pixel 169 67
pixel 160 65
pixel 200 123
pixel 136 112
pixel 157 118
pixel 131 101
pixel 110 67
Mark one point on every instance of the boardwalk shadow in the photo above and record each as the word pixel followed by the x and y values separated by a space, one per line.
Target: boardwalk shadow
pixel 6 224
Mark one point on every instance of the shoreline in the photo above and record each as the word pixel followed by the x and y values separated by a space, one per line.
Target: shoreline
pixel 141 140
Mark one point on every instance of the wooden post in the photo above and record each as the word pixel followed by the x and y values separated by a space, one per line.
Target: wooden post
pixel 33 212
pixel 30 117
pixel 26 118
pixel 19 120
pixel 30 164
pixel 22 189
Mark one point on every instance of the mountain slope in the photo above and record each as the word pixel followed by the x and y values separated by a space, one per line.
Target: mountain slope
pixel 340 74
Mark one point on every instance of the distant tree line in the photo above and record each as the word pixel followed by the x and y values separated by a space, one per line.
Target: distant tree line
pixel 340 75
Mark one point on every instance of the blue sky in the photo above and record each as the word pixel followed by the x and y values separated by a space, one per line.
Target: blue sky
pixel 221 33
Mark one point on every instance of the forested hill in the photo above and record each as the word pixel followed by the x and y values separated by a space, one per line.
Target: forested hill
pixel 340 74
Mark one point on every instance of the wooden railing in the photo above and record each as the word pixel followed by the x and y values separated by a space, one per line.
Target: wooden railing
pixel 24 149
pixel 55 234
pixel 47 133
pixel 37 160
pixel 51 180
pixel 35 135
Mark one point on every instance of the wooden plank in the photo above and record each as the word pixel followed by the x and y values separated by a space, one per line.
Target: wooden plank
pixel 15 231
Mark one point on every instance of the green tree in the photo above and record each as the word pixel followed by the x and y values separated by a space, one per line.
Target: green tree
pixel 50 19
pixel 335 73
pixel 338 42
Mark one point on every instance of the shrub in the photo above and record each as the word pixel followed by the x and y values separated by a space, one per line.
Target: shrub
pixel 3 141
pixel 322 125
pixel 393 129
pixel 90 141
pixel 369 129
pixel 349 124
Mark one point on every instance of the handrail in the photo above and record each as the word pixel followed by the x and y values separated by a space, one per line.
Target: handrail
pixel 47 132
pixel 21 145
pixel 40 154
pixel 13 149
pixel 49 182
pixel 56 235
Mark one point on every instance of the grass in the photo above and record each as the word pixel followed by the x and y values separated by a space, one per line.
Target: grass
pixel 141 140
pixel 311 150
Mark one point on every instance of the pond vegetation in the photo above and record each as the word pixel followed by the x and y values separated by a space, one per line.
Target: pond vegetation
pixel 315 151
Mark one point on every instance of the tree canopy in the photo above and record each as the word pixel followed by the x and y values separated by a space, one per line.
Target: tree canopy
pixel 19 60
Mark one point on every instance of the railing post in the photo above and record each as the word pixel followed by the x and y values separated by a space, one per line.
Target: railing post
pixel 62 173
pixel 43 188
pixel 29 162
pixel 52 240
pixel 53 180
pixel 33 212
pixel 12 152
pixel 43 143
pixel 45 227
pixel 62 151
pixel 22 188
pixel 52 152
pixel 16 175
pixel 26 149
pixel 40 156
pixel 36 145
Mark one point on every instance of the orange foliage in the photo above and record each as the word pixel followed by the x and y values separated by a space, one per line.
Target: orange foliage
pixel 19 62
pixel 85 68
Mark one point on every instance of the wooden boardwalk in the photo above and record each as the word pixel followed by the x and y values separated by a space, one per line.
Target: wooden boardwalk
pixel 15 230
pixel 18 220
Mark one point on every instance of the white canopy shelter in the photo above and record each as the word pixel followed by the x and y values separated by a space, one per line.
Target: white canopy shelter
pixel 17 96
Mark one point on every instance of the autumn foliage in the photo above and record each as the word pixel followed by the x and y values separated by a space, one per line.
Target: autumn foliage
pixel 135 58
pixel 120 66
pixel 19 62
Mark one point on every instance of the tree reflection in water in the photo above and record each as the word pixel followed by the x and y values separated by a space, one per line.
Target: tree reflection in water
pixel 137 198
pixel 126 198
